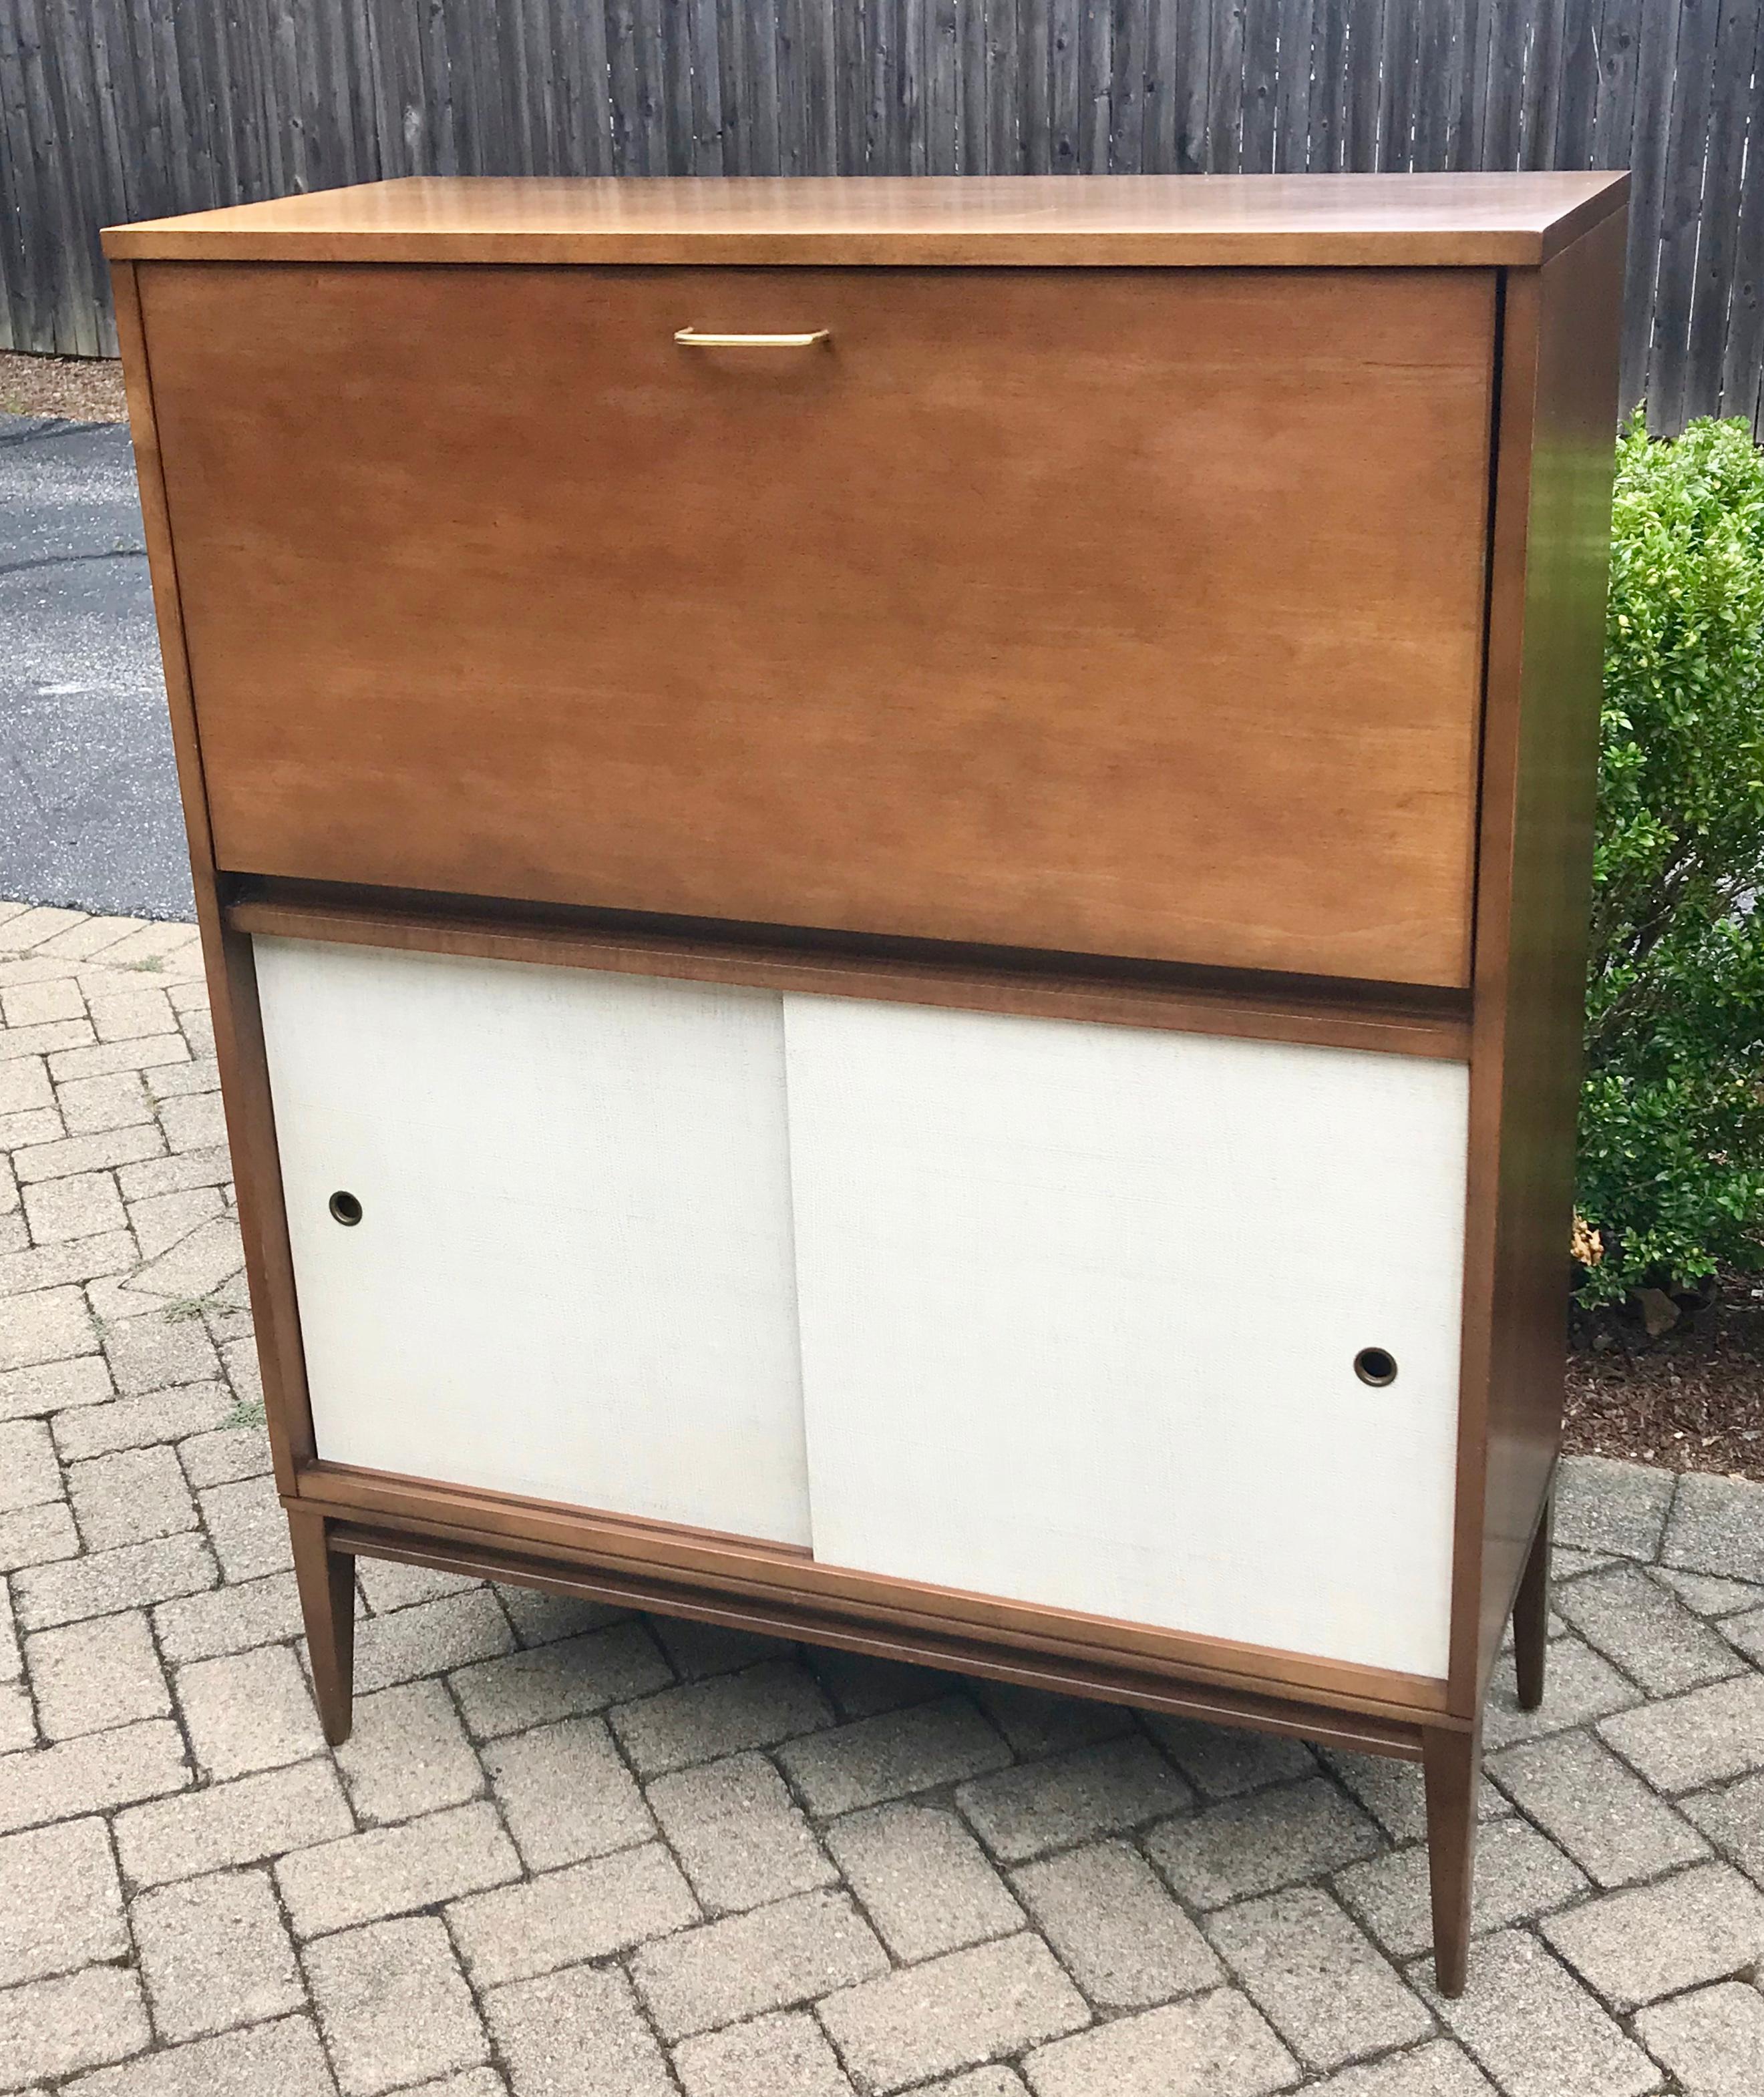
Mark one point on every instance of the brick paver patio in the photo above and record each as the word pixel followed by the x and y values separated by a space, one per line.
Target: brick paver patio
pixel 573 1854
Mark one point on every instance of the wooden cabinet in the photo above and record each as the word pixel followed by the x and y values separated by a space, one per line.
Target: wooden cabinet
pixel 895 876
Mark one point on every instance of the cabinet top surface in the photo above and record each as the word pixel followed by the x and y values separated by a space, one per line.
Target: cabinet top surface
pixel 1401 221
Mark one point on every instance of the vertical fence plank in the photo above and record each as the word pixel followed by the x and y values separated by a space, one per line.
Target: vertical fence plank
pixel 809 26
pixel 1742 368
pixel 385 114
pixel 1400 83
pixel 878 98
pixel 118 150
pixel 1464 148
pixel 1157 116
pixel 503 48
pixel 651 120
pixel 1681 206
pixel 354 59
pixel 107 198
pixel 1510 46
pixel 1003 108
pixel 42 325
pixel 1699 383
pixel 1650 135
pixel 624 87
pixel 465 61
pixel 1065 20
pixel 1326 118
pixel 213 75
pixel 17 260
pixel 434 60
pixel 155 48
pixel 404 110
pixel 582 38
pixel 795 123
pixel 1261 57
pixel 907 147
pixel 302 84
pixel 765 136
pixel 1614 113
pixel 1366 46
pixel 1035 85
pixel 23 231
pixel 1225 117
pixel 1577 101
pixel 676 83
pixel 472 70
pixel 972 141
pixel 1541 86
pixel 264 139
pixel 1127 31
pixel 57 315
pixel 1440 56
pixel 327 117
pixel 539 93
pixel 1194 85
pixel 1096 77
pixel 942 86
pixel 96 184
pixel 848 91
pixel 734 92
pixel 1292 108
pixel 68 91
pixel 1613 130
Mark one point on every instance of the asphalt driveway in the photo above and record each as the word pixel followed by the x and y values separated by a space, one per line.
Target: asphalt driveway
pixel 88 810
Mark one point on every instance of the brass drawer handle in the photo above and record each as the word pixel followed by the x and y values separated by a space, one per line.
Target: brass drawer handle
pixel 690 337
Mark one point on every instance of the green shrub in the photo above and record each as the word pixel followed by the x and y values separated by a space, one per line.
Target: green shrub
pixel 1672 1117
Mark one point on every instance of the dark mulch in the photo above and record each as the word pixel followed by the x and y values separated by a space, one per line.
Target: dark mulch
pixel 79 389
pixel 1693 1400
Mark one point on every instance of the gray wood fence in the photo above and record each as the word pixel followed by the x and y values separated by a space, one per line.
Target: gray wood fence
pixel 118 109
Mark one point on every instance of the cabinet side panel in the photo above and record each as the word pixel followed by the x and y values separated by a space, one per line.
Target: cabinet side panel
pixel 1549 580
pixel 226 955
pixel 1080 1307
pixel 571 1275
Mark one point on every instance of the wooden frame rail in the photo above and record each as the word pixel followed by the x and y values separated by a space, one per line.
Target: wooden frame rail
pixel 1329 1012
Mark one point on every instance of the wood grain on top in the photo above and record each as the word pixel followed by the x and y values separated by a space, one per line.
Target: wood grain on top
pixel 1125 221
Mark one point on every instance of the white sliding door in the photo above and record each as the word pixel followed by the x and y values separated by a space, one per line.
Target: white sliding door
pixel 1080 1307
pixel 1069 1313
pixel 572 1274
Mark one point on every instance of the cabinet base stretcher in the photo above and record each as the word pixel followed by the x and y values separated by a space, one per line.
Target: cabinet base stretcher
pixel 1449 1749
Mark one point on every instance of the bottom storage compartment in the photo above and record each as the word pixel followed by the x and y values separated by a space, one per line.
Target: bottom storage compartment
pixel 1150 1326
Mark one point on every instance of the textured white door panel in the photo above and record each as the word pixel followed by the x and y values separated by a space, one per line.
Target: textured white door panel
pixel 573 1274
pixel 1079 1310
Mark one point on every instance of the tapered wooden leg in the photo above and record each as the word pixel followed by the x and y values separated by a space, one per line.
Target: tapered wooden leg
pixel 326 1578
pixel 1531 1615
pixel 1452 1763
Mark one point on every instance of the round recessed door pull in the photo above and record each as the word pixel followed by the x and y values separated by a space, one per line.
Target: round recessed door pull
pixel 344 1206
pixel 1376 1366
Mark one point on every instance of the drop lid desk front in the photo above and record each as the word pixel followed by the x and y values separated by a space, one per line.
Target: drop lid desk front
pixel 894 873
